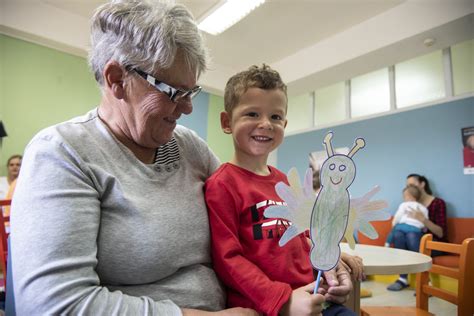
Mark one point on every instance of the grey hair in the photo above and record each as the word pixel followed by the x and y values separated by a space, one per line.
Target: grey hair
pixel 145 34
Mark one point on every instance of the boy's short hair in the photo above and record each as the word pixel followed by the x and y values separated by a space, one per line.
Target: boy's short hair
pixel 263 77
pixel 414 191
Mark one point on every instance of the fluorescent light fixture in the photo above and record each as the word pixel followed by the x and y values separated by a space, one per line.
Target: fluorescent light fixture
pixel 227 14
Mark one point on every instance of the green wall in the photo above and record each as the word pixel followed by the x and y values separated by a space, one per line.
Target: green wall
pixel 219 142
pixel 39 87
pixel 2 79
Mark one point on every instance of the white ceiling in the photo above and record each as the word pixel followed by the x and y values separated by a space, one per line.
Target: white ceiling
pixel 312 43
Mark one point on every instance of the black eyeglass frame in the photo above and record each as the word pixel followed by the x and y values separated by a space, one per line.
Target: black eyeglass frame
pixel 174 94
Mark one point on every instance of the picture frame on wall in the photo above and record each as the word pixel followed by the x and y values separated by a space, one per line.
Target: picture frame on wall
pixel 468 149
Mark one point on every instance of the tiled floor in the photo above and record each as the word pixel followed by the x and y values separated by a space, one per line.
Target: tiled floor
pixel 382 297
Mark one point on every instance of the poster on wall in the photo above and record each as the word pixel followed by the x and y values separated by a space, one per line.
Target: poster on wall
pixel 468 150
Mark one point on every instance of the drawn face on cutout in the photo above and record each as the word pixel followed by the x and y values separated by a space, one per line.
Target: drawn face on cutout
pixel 338 172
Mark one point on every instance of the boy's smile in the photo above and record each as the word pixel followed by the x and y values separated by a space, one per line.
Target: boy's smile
pixel 257 123
pixel 261 138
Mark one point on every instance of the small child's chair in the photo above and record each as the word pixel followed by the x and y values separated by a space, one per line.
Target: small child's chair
pixel 465 276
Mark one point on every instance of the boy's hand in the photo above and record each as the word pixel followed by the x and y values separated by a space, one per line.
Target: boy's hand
pixel 303 302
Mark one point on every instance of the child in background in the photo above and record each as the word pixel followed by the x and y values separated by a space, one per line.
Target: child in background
pixel 404 224
pixel 257 273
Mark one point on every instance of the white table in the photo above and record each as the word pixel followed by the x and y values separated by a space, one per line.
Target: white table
pixel 384 260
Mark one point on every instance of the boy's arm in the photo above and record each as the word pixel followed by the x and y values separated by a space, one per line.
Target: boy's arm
pixel 230 264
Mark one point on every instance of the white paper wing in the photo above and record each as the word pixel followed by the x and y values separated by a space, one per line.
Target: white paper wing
pixel 289 234
pixel 279 211
pixel 299 204
pixel 366 211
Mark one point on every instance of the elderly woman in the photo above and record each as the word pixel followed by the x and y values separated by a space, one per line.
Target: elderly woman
pixel 121 227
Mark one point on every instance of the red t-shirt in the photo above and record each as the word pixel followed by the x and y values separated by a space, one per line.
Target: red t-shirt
pixel 257 272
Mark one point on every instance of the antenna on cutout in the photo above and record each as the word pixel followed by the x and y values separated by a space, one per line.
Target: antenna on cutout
pixel 359 144
pixel 327 143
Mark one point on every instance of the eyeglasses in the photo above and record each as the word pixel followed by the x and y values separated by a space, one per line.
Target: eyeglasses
pixel 174 94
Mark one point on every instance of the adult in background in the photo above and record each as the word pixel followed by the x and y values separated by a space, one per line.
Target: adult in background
pixel 109 215
pixel 8 185
pixel 13 170
pixel 436 224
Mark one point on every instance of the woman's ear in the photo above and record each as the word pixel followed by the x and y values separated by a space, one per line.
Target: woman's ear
pixel 225 122
pixel 113 79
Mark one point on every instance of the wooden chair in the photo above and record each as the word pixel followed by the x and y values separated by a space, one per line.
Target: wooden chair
pixel 465 276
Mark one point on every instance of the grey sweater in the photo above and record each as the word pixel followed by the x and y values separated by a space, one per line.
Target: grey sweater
pixel 97 232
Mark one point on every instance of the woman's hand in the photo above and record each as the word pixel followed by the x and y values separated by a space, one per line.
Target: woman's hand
pixel 417 214
pixel 338 285
pixel 354 265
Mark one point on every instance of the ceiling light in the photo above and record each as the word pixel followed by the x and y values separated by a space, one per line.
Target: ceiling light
pixel 226 14
pixel 429 42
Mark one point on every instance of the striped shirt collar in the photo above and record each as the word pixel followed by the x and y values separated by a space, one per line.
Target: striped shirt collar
pixel 168 153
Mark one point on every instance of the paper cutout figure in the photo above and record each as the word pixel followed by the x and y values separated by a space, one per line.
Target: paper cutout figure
pixel 331 211
pixel 333 214
pixel 300 201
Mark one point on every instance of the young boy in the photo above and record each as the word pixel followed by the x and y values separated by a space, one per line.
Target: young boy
pixel 402 222
pixel 257 272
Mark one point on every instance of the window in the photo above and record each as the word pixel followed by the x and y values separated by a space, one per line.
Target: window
pixel 462 57
pixel 370 93
pixel 330 104
pixel 300 112
pixel 419 80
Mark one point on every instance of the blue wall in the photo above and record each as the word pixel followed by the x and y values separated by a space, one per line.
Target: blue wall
pixel 425 141
pixel 197 120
